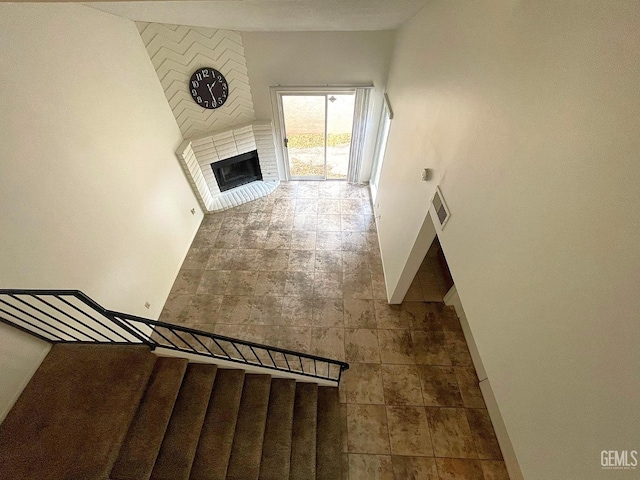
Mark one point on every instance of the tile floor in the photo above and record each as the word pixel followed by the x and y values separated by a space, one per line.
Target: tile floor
pixel 301 269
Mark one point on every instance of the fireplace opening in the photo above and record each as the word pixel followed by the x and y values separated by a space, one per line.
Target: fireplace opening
pixel 237 170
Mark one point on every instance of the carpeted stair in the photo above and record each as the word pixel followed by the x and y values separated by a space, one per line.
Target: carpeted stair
pixel 122 413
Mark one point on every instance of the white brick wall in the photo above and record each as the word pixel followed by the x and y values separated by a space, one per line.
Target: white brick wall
pixel 198 154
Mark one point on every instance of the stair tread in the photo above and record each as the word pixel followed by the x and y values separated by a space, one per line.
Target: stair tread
pixel 246 451
pixel 276 450
pixel 303 443
pixel 79 405
pixel 328 446
pixel 181 439
pixel 144 438
pixel 216 437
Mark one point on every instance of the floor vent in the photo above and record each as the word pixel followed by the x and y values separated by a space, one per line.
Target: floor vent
pixel 440 207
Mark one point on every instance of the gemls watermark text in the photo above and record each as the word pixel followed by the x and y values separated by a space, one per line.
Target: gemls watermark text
pixel 619 459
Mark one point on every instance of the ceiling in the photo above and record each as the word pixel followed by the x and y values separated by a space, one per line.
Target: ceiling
pixel 271 15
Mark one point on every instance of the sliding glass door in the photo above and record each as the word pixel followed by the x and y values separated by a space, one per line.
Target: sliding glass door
pixel 317 134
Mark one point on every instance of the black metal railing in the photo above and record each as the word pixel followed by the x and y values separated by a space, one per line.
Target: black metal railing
pixel 69 316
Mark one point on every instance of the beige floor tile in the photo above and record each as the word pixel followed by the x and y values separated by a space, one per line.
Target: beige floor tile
pixel 270 284
pixel 401 385
pixel 213 282
pixel 439 386
pixel 367 430
pixel 329 223
pixel 370 467
pixel 241 283
pixel 328 312
pixel 459 469
pixel 305 223
pixel 354 241
pixel 431 347
pixel 469 387
pixel 328 241
pixel 303 240
pixel 357 285
pixel 396 346
pixel 297 311
pixel 187 282
pixel 483 435
pixel 359 313
pixel 204 308
pixel 328 261
pixel 235 310
pixel 301 260
pixel 458 350
pixel 328 342
pixel 450 433
pixel 363 384
pixel 424 316
pixel 176 307
pixel 253 239
pixel 414 468
pixel 352 222
pixel 266 310
pixel 391 316
pixel 196 258
pixel 299 284
pixel 361 345
pixel 329 206
pixel 327 285
pixel 408 431
pixel 494 470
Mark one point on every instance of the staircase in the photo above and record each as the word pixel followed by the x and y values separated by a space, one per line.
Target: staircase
pixel 119 412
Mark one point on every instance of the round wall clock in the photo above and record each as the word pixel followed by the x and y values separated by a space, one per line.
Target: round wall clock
pixel 209 88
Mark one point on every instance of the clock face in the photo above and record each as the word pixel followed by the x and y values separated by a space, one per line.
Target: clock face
pixel 209 88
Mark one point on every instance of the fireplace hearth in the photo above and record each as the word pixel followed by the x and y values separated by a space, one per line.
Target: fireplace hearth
pixel 238 170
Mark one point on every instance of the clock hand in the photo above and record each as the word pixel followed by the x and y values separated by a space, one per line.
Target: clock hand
pixel 210 92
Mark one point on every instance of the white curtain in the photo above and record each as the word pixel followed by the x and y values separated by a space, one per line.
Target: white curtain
pixel 360 115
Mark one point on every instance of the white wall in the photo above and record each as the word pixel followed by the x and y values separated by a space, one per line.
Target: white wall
pixel 92 195
pixel 319 58
pixel 529 114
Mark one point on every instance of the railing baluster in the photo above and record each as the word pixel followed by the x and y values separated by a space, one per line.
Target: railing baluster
pixel 255 355
pixel 102 324
pixel 203 345
pixel 28 323
pixel 52 317
pixel 271 357
pixel 65 334
pixel 185 342
pixel 239 352
pixel 69 316
pixel 145 337
pixel 287 361
pixel 220 347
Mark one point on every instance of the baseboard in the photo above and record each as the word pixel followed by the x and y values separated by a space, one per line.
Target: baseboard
pixel 453 299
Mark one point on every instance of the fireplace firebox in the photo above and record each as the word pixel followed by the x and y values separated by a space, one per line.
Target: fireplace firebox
pixel 238 170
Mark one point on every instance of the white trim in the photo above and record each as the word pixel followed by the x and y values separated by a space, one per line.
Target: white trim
pixel 511 462
pixel 387 104
pixel 453 299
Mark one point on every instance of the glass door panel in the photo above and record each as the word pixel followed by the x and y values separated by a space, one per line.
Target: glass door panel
pixel 305 122
pixel 339 125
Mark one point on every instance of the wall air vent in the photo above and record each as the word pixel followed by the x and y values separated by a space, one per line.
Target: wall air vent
pixel 440 208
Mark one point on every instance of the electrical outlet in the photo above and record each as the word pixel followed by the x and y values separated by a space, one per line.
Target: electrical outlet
pixel 147 305
pixel 193 211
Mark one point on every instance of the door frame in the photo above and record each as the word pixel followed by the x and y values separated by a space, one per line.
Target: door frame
pixel 278 118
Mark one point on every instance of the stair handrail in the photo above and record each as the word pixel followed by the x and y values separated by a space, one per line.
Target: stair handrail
pixel 70 316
